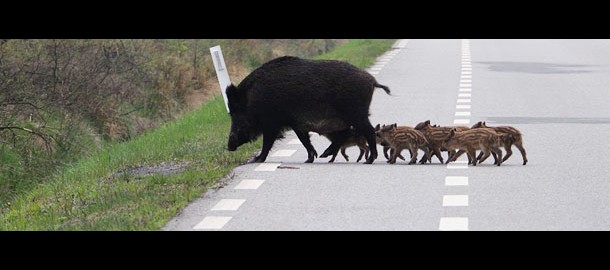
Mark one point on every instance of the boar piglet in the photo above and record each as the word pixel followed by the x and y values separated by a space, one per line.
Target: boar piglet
pixel 352 140
pixel 471 140
pixel 436 135
pixel 512 136
pixel 400 138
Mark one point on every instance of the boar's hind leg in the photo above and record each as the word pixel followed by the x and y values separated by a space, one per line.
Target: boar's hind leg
pixel 522 150
pixel 345 156
pixel 304 138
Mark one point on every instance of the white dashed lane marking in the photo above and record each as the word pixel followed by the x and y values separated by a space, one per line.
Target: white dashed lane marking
pixel 212 223
pixel 455 200
pixel 387 57
pixel 456 181
pixel 228 205
pixel 249 184
pixel 457 166
pixel 462 113
pixel 267 167
pixel 283 153
pixel 453 224
pixel 463 110
pixel 461 121
pixel 294 141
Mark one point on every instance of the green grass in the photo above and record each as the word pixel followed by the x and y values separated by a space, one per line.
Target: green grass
pixel 359 52
pixel 93 194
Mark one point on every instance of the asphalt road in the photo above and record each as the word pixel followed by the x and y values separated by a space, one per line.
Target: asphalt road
pixel 555 91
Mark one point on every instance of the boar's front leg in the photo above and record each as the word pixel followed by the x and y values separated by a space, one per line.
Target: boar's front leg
pixel 269 137
pixel 304 138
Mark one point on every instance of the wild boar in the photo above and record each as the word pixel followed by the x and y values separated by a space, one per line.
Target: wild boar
pixel 386 145
pixel 400 138
pixel 513 136
pixel 323 96
pixel 436 135
pixel 469 141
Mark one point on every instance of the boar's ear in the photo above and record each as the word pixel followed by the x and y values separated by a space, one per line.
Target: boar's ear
pixel 236 98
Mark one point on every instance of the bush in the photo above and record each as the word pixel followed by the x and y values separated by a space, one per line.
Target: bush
pixel 61 99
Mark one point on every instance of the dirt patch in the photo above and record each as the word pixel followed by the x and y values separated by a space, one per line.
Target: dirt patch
pixel 165 168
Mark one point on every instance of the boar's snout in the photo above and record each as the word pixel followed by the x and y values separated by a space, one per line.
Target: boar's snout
pixel 233 144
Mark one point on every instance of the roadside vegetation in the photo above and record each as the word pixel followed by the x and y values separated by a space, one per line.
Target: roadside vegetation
pixel 72 162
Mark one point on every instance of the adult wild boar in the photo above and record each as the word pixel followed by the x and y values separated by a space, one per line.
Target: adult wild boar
pixel 323 96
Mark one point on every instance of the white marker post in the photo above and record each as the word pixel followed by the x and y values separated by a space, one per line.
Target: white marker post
pixel 221 72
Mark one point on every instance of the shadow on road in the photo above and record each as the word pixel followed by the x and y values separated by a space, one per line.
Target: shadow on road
pixel 548 120
pixel 535 67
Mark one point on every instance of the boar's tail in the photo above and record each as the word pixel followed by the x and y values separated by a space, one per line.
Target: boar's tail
pixel 385 88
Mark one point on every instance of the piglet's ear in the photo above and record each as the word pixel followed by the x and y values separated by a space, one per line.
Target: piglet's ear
pixel 377 127
pixel 451 133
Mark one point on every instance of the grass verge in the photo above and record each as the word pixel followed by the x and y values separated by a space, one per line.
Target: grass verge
pixel 359 52
pixel 106 192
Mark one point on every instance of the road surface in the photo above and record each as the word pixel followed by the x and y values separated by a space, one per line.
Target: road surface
pixel 557 92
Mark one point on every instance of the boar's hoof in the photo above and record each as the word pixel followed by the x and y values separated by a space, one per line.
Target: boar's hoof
pixel 258 159
pixel 524 162
pixel 370 161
